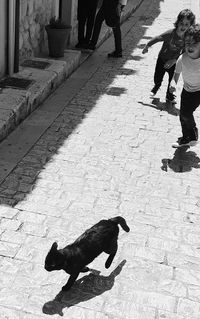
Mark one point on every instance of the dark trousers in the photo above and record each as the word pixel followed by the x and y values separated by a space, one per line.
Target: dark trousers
pixel 100 17
pixel 189 102
pixel 86 16
pixel 160 72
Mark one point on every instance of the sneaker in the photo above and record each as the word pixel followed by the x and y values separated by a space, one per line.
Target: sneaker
pixel 184 142
pixel 152 95
pixel 170 97
pixel 115 54
pixel 153 92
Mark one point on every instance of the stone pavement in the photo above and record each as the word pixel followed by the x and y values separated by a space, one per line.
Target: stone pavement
pixel 107 153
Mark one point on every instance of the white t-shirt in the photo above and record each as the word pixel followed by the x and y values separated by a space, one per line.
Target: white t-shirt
pixel 190 69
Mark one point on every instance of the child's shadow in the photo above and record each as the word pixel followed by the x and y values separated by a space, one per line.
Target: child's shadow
pixel 84 289
pixel 162 106
pixel 182 161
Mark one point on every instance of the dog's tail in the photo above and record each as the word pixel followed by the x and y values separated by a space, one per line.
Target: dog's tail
pixel 121 221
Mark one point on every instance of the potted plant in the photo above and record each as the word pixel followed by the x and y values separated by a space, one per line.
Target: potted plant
pixel 58 34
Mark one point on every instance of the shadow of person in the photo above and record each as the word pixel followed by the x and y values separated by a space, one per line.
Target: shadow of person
pixel 182 161
pixel 162 106
pixel 84 289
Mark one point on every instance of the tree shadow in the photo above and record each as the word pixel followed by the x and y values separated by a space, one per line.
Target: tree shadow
pixel 162 106
pixel 136 57
pixel 182 161
pixel 115 91
pixel 84 289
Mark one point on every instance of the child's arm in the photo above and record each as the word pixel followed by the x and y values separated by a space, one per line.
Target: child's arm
pixel 176 76
pixel 159 38
pixel 174 82
pixel 169 63
pixel 151 42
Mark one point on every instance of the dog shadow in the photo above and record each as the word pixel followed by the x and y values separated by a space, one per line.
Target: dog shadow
pixel 162 106
pixel 182 161
pixel 84 289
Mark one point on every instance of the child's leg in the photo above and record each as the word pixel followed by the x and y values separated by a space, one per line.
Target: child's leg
pixel 158 75
pixel 189 102
pixel 170 72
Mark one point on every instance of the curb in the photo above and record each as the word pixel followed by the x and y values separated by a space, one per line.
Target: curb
pixel 17 104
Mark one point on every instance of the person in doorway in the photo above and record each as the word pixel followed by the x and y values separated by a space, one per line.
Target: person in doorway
pixel 189 65
pixel 86 16
pixel 110 11
pixel 173 44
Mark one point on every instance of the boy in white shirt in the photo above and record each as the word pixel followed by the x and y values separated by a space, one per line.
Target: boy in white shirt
pixel 189 65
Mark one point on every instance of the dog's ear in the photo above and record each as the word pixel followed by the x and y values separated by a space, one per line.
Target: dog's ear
pixel 54 246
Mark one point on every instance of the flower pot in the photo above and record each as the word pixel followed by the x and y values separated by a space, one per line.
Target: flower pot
pixel 57 39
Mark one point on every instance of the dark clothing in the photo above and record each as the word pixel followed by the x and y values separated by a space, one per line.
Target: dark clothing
pixel 160 72
pixel 86 16
pixel 189 102
pixel 172 45
pixel 112 12
pixel 171 49
pixel 103 14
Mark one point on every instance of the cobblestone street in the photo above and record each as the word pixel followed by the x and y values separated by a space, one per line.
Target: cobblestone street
pixel 107 153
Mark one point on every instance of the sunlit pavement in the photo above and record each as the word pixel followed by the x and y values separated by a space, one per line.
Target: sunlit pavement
pixel 107 153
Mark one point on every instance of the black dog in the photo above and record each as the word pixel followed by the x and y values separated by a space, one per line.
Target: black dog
pixel 102 237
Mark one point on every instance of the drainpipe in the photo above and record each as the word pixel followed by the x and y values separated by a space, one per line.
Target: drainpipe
pixel 16 48
pixel 11 35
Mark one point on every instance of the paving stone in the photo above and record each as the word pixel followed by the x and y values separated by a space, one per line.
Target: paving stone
pixel 98 147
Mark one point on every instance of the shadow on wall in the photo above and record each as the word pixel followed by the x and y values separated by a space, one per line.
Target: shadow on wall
pixel 22 181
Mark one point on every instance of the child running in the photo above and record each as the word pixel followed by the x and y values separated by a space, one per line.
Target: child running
pixel 173 44
pixel 189 65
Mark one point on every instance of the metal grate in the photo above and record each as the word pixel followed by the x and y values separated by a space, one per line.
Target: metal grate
pixel 36 64
pixel 16 83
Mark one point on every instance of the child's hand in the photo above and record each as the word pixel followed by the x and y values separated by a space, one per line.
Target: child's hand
pixel 169 64
pixel 145 50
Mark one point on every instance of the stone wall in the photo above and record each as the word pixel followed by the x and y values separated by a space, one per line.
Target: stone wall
pixel 34 15
pixel 74 23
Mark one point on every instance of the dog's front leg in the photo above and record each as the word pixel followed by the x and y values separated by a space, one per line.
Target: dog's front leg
pixel 70 281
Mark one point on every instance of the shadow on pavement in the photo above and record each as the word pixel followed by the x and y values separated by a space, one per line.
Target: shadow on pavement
pixel 23 179
pixel 182 161
pixel 84 289
pixel 162 106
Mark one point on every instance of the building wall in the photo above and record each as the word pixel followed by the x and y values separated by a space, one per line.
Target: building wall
pixel 2 37
pixel 34 15
pixel 74 23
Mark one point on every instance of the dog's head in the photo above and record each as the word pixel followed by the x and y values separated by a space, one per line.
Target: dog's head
pixel 54 259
